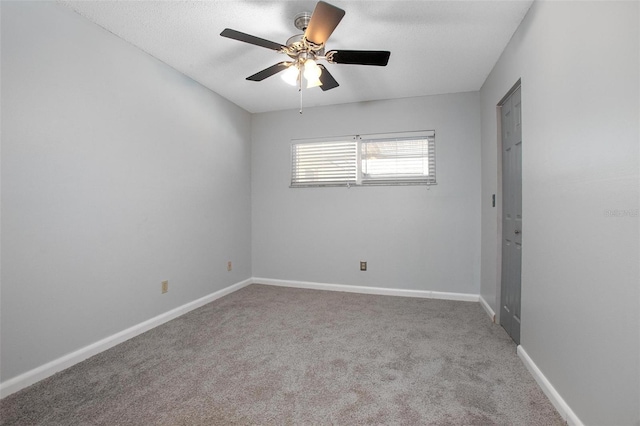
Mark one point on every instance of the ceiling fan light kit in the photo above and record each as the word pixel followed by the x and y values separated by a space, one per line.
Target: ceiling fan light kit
pixel 306 49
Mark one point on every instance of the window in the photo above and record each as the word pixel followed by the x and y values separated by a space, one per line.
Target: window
pixel 383 159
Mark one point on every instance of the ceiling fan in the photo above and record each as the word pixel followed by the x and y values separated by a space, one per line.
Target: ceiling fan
pixel 307 48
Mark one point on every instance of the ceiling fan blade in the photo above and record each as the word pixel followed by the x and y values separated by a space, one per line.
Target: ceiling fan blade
pixel 327 80
pixel 324 19
pixel 359 57
pixel 268 72
pixel 247 38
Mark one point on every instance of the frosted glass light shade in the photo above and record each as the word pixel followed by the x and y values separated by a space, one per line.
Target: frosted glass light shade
pixel 290 75
pixel 312 73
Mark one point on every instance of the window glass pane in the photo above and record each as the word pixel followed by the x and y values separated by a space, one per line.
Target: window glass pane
pixel 395 158
pixel 401 160
pixel 323 163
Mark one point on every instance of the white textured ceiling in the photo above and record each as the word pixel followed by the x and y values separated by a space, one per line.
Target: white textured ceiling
pixel 436 46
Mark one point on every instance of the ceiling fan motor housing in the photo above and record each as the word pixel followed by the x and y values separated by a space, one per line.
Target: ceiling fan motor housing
pixel 300 48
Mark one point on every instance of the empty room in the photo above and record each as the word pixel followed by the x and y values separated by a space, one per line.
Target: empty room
pixel 309 212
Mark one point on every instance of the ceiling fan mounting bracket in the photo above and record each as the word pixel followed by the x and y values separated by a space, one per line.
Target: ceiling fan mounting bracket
pixel 301 20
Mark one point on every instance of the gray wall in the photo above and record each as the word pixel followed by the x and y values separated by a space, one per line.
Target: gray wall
pixel 412 237
pixel 580 269
pixel 117 172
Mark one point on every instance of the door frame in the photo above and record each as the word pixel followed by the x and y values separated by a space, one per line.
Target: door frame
pixel 498 206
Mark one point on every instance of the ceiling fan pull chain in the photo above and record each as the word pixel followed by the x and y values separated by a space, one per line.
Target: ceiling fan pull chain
pixel 300 90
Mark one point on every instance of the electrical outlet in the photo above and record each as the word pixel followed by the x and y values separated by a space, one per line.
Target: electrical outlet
pixel 165 286
pixel 363 266
pixel 229 266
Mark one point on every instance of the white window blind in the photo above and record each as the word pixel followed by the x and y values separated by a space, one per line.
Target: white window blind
pixel 384 159
pixel 399 160
pixel 323 163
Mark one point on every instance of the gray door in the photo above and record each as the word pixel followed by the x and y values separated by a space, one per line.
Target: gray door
pixel 511 215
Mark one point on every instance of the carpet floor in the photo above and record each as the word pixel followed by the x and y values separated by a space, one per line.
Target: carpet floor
pixel 274 355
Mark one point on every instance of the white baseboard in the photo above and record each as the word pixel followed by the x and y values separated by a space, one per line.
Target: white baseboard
pixel 563 408
pixel 488 309
pixel 30 377
pixel 426 294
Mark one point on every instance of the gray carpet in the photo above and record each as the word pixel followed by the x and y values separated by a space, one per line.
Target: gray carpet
pixel 272 355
